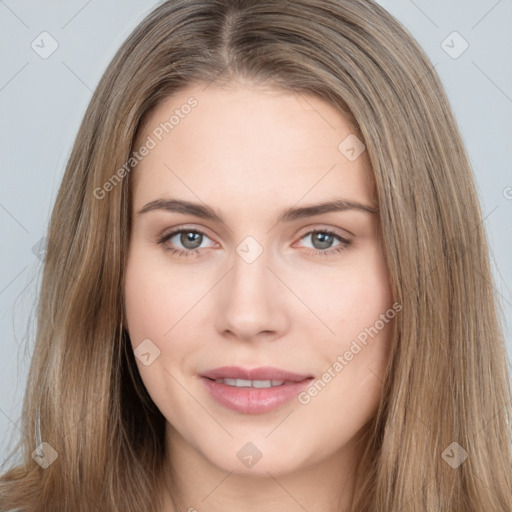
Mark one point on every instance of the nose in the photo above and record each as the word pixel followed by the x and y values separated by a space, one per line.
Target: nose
pixel 252 301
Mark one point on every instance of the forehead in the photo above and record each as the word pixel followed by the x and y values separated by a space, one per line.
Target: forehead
pixel 248 142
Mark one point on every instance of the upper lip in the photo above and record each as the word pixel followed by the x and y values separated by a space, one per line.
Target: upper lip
pixel 261 373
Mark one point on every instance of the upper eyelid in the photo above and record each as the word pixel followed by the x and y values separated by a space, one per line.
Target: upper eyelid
pixel 173 232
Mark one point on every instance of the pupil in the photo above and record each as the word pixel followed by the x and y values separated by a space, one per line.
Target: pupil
pixel 190 236
pixel 325 240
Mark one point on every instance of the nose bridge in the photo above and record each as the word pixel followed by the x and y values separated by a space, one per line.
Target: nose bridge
pixel 250 275
pixel 251 300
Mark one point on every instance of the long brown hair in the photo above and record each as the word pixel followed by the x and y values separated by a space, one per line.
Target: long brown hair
pixel 446 392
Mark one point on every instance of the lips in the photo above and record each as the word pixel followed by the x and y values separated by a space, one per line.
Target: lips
pixel 257 390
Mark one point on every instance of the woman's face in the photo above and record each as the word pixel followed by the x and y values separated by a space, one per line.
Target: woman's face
pixel 235 268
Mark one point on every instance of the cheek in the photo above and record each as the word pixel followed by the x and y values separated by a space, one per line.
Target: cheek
pixel 153 313
pixel 144 304
pixel 162 304
pixel 352 297
pixel 359 310
pixel 148 317
pixel 157 296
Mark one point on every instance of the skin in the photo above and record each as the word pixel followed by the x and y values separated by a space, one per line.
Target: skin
pixel 249 152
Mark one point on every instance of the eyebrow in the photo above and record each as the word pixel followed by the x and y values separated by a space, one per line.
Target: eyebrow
pixel 288 215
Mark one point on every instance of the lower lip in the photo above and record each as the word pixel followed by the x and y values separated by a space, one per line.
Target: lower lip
pixel 253 400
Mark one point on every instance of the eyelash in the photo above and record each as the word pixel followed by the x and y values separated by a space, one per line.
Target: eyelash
pixel 197 252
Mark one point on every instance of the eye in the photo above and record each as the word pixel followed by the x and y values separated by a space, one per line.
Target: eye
pixel 190 240
pixel 323 239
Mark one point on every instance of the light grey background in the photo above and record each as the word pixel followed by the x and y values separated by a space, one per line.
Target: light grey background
pixel 42 101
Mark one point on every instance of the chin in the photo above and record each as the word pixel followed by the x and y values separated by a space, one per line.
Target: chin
pixel 256 460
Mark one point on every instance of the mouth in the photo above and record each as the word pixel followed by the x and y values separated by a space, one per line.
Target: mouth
pixel 253 391
pixel 242 383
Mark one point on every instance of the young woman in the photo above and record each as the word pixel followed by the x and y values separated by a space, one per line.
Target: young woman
pixel 267 283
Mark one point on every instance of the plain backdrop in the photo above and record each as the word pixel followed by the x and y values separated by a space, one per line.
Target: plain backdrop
pixel 43 97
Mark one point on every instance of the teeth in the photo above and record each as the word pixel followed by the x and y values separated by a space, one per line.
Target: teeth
pixel 242 383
